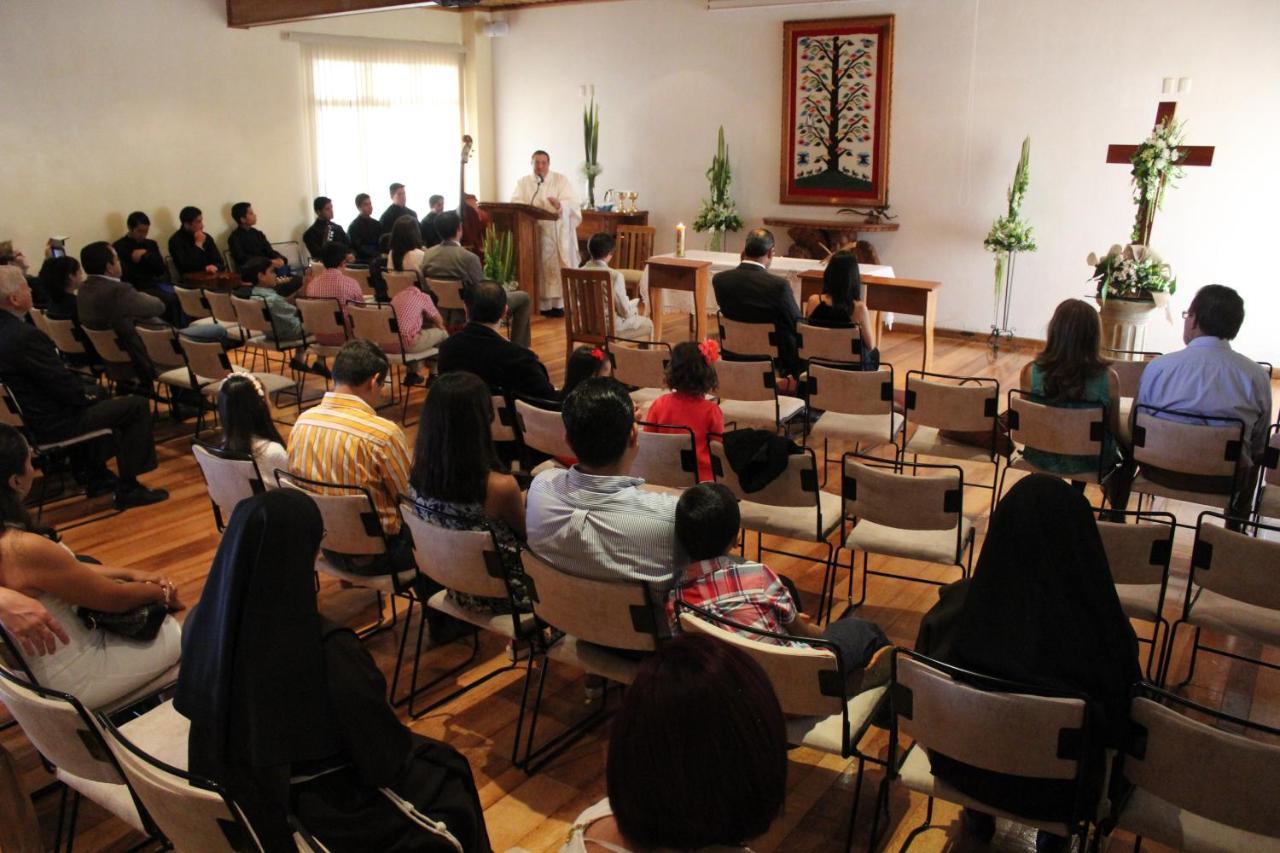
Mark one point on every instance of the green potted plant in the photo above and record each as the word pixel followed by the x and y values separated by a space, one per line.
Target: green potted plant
pixel 591 146
pixel 500 258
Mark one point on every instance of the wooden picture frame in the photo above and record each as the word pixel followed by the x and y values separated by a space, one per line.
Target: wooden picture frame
pixel 837 90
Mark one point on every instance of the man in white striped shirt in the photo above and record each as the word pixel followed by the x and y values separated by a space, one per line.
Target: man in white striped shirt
pixel 593 520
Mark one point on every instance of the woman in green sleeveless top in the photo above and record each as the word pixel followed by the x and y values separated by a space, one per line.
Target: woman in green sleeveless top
pixel 1070 371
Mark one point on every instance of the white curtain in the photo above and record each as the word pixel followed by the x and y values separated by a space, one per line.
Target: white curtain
pixel 382 113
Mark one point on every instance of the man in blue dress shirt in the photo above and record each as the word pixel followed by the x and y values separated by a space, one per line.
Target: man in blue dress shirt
pixel 1207 377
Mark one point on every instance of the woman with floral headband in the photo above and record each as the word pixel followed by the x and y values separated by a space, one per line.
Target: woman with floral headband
pixel 247 427
pixel 691 376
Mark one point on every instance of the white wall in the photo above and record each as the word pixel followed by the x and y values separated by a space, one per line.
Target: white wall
pixel 971 78
pixel 155 104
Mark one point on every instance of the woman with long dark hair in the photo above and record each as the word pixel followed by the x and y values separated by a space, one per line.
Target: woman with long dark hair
pixel 584 363
pixel 247 428
pixel 406 244
pixel 1042 609
pixel 60 278
pixel 289 712
pixel 1069 371
pixel 841 305
pixel 457 481
pixel 95 666
pixel 703 709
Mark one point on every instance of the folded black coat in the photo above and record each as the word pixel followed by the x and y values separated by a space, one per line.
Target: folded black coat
pixel 757 456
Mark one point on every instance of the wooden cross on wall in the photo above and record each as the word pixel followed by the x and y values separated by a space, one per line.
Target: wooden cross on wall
pixel 1192 155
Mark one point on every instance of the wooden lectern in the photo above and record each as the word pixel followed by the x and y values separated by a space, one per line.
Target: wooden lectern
pixel 521 221
pixel 685 274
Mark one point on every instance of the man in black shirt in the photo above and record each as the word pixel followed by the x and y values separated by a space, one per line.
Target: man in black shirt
pixel 431 234
pixel 192 250
pixel 55 406
pixel 324 230
pixel 396 210
pixel 140 258
pixel 247 243
pixel 364 231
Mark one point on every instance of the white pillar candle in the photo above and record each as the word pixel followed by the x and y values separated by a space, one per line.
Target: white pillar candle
pixel 680 240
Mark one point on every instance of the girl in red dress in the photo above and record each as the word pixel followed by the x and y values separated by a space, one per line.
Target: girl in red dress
pixel 691 376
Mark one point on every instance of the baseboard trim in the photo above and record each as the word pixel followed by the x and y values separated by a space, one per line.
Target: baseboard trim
pixel 916 329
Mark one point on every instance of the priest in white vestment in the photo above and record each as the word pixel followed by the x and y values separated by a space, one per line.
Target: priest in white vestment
pixel 558 238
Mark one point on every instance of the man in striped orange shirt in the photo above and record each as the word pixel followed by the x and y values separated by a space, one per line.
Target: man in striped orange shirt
pixel 343 440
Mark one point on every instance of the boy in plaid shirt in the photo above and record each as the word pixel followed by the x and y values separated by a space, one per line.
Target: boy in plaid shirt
pixel 749 593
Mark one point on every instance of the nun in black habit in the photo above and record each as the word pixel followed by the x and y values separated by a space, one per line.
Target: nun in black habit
pixel 289 712
pixel 1041 608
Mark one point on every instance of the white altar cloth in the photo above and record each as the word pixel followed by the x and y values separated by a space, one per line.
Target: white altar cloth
pixel 674 301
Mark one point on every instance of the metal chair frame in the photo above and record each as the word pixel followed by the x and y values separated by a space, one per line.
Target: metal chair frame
pixel 900 705
pixel 533 637
pixel 1163 557
pixel 1098 428
pixel 910 406
pixel 413 592
pixel 829 591
pixel 849 736
pixel 1200 556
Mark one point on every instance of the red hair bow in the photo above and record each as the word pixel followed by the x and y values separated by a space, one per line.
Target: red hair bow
pixel 597 354
pixel 710 351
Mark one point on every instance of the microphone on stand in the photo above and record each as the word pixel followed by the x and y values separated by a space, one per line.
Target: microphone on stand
pixel 538 190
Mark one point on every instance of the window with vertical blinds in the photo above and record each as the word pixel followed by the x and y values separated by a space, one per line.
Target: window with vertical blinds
pixel 383 112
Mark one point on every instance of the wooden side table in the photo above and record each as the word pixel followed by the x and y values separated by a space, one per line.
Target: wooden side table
pixel 679 274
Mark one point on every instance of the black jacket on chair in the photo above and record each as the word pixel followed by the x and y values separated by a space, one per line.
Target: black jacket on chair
pixel 497 361
pixel 752 294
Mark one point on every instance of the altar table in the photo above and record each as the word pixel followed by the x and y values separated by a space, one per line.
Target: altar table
pixel 883 291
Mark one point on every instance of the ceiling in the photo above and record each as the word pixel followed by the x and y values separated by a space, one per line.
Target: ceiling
pixel 256 13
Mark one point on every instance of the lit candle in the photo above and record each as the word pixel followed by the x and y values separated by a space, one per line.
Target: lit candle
pixel 680 240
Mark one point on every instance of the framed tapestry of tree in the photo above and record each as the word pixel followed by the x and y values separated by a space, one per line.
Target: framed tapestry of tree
pixel 837 90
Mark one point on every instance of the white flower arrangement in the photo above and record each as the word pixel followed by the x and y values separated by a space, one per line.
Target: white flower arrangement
pixel 1131 272
pixel 1155 169
pixel 1011 233
pixel 719 213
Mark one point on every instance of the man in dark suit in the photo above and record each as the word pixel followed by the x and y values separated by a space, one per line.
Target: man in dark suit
pixel 751 294
pixel 481 349
pixel 106 302
pixel 450 260
pixel 55 405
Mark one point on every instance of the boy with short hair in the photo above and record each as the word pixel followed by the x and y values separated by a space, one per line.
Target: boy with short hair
pixel 627 321
pixel 750 594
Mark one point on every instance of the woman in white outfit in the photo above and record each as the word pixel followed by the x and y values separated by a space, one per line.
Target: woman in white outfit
pixel 689 769
pixel 96 667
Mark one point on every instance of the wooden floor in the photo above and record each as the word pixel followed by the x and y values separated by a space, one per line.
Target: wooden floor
pixel 533 813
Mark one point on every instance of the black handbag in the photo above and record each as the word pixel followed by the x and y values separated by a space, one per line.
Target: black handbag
pixel 140 623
